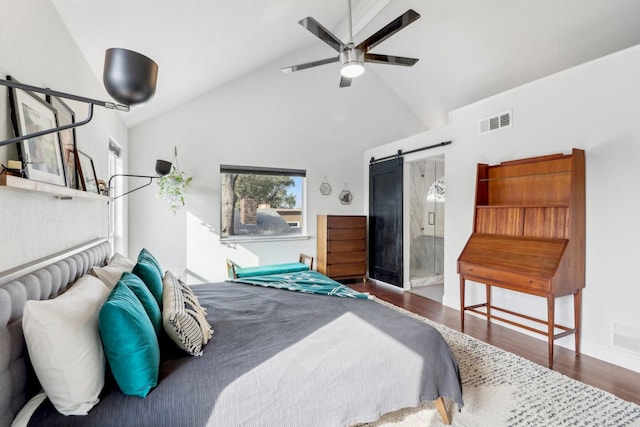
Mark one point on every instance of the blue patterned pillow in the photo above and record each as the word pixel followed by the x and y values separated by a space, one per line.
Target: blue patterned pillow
pixel 149 274
pixel 130 342
pixel 145 296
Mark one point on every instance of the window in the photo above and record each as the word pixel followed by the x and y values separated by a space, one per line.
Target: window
pixel 116 207
pixel 261 202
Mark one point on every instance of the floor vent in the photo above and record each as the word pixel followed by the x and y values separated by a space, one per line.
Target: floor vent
pixel 499 121
pixel 626 336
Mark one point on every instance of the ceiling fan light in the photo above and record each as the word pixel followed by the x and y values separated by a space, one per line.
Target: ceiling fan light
pixel 352 69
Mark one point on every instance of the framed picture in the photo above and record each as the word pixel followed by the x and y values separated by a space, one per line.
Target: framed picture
pixel 66 116
pixel 41 156
pixel 87 173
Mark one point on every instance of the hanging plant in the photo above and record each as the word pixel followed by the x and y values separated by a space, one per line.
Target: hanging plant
pixel 172 186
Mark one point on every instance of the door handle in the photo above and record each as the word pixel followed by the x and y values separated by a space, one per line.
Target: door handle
pixel 431 218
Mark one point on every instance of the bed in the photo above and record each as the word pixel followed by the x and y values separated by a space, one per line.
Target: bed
pixel 275 357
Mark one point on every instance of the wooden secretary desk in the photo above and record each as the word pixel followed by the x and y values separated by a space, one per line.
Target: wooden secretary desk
pixel 529 236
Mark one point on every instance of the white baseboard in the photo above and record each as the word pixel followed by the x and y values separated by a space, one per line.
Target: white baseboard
pixel 602 352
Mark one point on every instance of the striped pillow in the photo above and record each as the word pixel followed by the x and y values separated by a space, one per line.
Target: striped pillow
pixel 183 318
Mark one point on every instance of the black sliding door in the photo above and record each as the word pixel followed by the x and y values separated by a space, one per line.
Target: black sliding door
pixel 385 221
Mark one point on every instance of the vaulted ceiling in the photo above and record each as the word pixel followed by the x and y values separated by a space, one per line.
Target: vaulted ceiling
pixel 468 49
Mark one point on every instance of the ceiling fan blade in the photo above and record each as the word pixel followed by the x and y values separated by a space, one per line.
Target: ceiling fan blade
pixel 389 59
pixel 306 65
pixel 390 29
pixel 322 33
pixel 345 81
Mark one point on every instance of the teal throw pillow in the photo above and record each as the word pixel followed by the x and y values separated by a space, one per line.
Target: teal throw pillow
pixel 130 342
pixel 151 277
pixel 145 296
pixel 148 256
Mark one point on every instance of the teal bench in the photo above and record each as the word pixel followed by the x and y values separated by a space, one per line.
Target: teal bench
pixel 305 263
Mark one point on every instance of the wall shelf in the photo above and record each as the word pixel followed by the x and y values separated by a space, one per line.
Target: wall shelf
pixel 22 184
pixel 526 176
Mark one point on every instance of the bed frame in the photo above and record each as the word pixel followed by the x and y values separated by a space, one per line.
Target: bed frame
pixel 39 280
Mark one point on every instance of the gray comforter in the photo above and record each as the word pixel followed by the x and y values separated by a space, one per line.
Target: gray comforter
pixel 281 358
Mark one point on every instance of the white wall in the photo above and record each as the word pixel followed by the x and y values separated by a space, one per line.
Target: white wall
pixel 264 118
pixel 37 49
pixel 595 107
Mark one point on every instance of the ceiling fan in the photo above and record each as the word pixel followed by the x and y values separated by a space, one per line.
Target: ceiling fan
pixel 351 56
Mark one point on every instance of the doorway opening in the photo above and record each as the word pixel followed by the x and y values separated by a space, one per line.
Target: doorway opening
pixel 427 198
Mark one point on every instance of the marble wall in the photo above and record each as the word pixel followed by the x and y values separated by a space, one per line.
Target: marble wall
pixel 427 218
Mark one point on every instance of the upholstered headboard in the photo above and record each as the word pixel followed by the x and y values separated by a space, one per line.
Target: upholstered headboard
pixel 40 280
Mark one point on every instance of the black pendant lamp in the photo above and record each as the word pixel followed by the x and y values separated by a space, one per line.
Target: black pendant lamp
pixel 129 77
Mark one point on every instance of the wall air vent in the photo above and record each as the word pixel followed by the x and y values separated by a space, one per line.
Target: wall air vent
pixel 626 336
pixel 499 121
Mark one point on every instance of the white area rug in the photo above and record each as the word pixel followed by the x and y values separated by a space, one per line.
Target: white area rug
pixel 503 389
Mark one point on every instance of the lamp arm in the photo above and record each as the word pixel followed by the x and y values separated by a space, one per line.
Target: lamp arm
pixel 151 178
pixel 48 131
pixel 90 101
pixel 46 91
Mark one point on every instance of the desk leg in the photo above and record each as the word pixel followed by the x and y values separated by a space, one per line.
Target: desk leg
pixel 488 294
pixel 577 313
pixel 461 303
pixel 551 305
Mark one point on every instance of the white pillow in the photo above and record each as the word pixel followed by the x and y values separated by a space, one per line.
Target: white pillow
pixel 183 318
pixel 110 273
pixel 64 345
pixel 29 408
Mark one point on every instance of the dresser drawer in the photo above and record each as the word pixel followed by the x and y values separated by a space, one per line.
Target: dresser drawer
pixel 496 277
pixel 346 246
pixel 345 257
pixel 346 234
pixel 346 222
pixel 344 270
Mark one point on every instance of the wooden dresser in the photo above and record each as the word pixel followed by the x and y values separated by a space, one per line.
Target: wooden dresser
pixel 529 236
pixel 342 246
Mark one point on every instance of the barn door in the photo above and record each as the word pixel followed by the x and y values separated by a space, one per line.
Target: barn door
pixel 385 221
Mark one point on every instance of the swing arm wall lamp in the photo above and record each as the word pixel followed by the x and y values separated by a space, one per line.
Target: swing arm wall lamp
pixel 163 167
pixel 129 77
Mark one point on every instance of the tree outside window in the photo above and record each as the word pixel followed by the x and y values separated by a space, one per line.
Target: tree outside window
pixel 261 201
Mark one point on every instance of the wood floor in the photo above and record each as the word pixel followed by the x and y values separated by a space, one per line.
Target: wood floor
pixel 624 383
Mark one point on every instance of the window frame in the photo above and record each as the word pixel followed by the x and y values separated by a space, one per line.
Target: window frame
pixel 116 228
pixel 302 234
